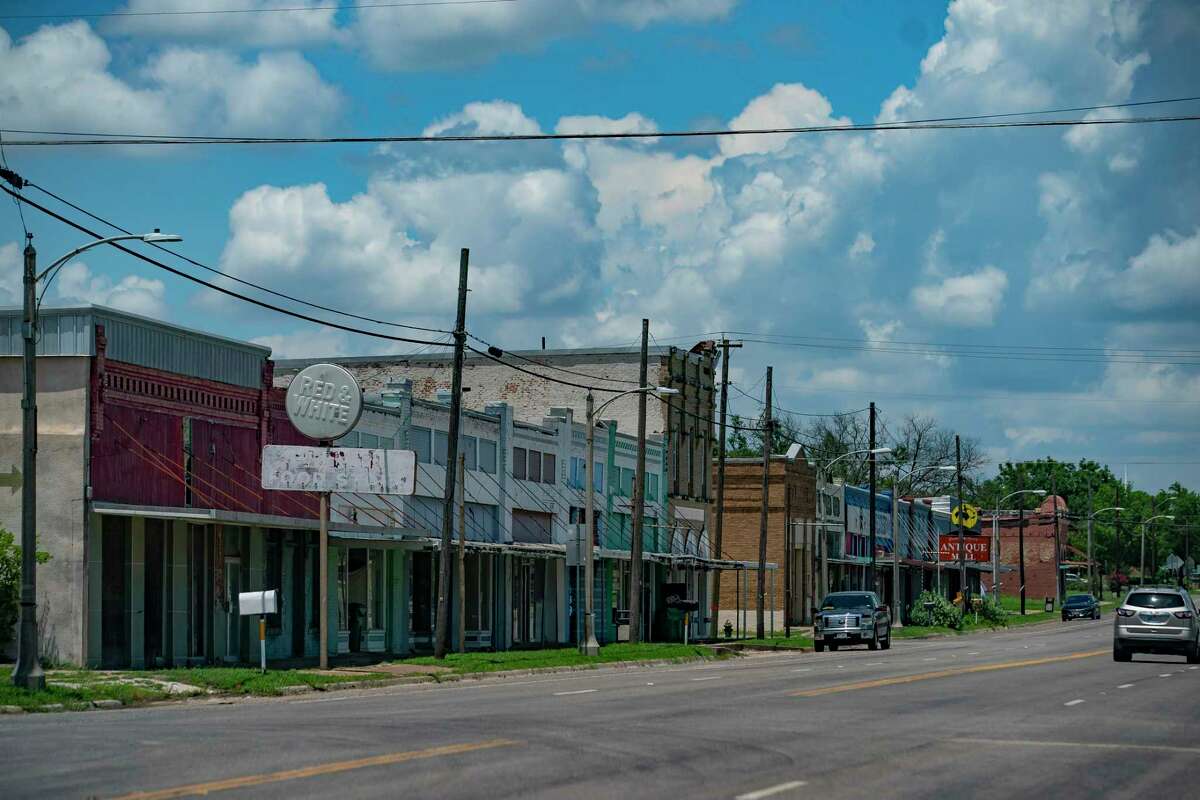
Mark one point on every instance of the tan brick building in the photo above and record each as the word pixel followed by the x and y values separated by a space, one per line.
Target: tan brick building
pixel 791 500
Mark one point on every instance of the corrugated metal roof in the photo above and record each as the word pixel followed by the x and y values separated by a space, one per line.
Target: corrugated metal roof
pixel 138 340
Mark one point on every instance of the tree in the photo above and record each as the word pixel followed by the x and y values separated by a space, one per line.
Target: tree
pixel 10 585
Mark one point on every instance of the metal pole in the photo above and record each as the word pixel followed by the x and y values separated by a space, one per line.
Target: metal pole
pixel 323 558
pixel 262 642
pixel 772 591
pixel 28 672
pixel 639 498
pixel 996 554
pixel 1021 546
pixel 462 553
pixel 963 587
pixel 589 646
pixel 767 441
pixel 896 621
pixel 788 577
pixel 1091 577
pixel 871 578
pixel 442 634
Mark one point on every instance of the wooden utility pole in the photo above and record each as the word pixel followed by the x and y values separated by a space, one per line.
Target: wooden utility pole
pixel 787 555
pixel 1091 571
pixel 725 346
pixel 767 440
pixel 1021 539
pixel 639 499
pixel 1058 587
pixel 442 634
pixel 462 552
pixel 963 587
pixel 323 565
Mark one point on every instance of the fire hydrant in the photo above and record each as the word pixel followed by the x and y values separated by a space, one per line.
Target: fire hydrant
pixel 728 629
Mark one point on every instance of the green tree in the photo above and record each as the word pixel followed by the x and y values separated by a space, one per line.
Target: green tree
pixel 10 585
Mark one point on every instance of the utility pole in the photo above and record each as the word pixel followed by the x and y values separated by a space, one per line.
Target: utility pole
pixel 442 639
pixel 963 587
pixel 725 346
pixel 787 555
pixel 462 552
pixel 639 497
pixel 323 565
pixel 589 646
pixel 28 672
pixel 768 440
pixel 1091 577
pixel 1021 541
pixel 871 504
pixel 1058 587
pixel 1117 538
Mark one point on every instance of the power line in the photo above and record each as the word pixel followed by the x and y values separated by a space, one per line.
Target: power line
pixel 782 410
pixel 513 354
pixel 210 11
pixel 1073 350
pixel 215 287
pixel 893 124
pixel 125 139
pixel 231 277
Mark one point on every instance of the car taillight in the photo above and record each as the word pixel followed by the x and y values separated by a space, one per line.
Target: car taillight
pixel 1183 614
pixel 1124 612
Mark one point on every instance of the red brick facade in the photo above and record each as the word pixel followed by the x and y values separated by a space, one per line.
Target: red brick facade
pixel 1040 564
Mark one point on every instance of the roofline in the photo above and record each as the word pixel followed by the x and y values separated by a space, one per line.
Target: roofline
pixel 94 308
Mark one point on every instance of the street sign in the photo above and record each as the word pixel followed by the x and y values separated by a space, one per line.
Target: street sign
pixel 12 480
pixel 339 469
pixel 324 402
pixel 978 548
pixel 967 514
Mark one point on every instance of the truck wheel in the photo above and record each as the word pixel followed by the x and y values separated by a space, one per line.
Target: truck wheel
pixel 1121 654
pixel 819 647
pixel 886 644
pixel 874 643
pixel 1194 656
pixel 833 647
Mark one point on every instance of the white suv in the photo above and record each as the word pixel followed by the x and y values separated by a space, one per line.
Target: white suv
pixel 1156 620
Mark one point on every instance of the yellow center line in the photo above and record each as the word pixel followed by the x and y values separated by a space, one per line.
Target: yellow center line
pixel 942 673
pixel 319 769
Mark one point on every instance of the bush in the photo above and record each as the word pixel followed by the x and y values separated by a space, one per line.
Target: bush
pixel 943 613
pixel 10 586
pixel 992 612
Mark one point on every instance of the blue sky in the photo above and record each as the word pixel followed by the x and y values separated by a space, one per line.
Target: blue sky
pixel 1043 238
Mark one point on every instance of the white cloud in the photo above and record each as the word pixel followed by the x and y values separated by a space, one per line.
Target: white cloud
pixel 59 77
pixel 269 29
pixel 441 38
pixel 1041 434
pixel 76 283
pixel 325 341
pixel 495 118
pixel 592 123
pixel 786 105
pixel 1165 275
pixel 968 301
pixel 12 265
pixel 863 245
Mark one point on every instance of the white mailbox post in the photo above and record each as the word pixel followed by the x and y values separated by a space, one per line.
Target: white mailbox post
pixel 262 602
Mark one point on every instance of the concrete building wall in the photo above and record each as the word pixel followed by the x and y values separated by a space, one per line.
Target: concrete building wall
pixel 62 387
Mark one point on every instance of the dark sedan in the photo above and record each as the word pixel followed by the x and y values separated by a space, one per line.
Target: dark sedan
pixel 1079 606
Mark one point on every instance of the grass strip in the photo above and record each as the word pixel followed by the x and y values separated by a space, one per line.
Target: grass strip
pixel 468 663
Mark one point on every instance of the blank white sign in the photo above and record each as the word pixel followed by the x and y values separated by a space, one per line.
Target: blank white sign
pixel 358 470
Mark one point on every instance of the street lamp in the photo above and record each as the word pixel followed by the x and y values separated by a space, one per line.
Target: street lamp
pixel 1090 519
pixel 896 537
pixel 867 451
pixel 28 671
pixel 589 646
pixel 1142 568
pixel 996 542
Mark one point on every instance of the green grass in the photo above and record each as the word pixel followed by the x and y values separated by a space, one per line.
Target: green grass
pixel 247 680
pixel 76 699
pixel 465 663
pixel 795 642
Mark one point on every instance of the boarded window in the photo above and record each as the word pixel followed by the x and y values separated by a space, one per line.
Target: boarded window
pixel 549 468
pixel 470 448
pixel 518 467
pixel 441 446
pixel 535 466
pixel 419 441
pixel 487 456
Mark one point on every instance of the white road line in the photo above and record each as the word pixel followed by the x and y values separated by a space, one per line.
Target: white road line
pixel 1165 675
pixel 973 654
pixel 1193 667
pixel 709 678
pixel 771 790
pixel 1073 703
pixel 874 663
pixel 929 659
pixel 805 669
pixel 1125 686
pixel 577 691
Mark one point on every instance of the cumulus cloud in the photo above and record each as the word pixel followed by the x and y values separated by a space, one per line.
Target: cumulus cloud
pixel 269 29
pixel 864 245
pixel 76 283
pixel 12 263
pixel 967 301
pixel 1164 276
pixel 60 77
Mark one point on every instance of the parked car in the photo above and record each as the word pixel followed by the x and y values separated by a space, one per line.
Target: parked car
pixel 1078 606
pixel 849 618
pixel 1156 620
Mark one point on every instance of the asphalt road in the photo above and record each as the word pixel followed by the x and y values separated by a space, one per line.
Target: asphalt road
pixel 1042 712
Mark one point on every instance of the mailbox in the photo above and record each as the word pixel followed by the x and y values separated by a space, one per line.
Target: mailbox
pixel 265 601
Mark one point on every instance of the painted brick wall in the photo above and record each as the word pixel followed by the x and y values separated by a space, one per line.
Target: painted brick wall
pixel 1040 567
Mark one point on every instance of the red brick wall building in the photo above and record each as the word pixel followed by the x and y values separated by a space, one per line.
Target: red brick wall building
pixel 1041 566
